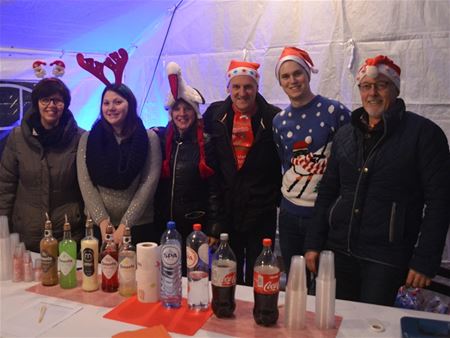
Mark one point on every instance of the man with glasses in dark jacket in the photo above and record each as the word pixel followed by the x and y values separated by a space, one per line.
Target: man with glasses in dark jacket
pixel 384 202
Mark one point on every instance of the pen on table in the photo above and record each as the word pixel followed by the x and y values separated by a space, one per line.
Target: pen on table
pixel 42 313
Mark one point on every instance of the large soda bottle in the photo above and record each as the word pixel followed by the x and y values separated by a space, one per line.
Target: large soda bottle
pixel 197 259
pixel 223 279
pixel 127 265
pixel 67 259
pixel 110 256
pixel 266 286
pixel 171 267
pixel 89 257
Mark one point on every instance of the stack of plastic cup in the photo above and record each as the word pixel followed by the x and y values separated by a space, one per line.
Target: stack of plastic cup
pixel 325 291
pixel 5 250
pixel 296 295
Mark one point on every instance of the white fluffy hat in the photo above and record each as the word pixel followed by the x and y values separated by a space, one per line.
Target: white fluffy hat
pixel 179 89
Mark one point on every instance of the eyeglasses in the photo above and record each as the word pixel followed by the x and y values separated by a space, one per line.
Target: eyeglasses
pixel 46 101
pixel 379 86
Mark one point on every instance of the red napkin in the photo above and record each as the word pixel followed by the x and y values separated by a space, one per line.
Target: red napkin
pixel 182 320
pixel 155 332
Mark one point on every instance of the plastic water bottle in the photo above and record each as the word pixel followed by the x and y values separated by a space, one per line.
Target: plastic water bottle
pixel 197 259
pixel 171 267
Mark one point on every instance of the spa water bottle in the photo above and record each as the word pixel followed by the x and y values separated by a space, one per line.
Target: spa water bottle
pixel 49 255
pixel 197 259
pixel 171 267
pixel 89 257
pixel 67 261
pixel 110 265
pixel 127 265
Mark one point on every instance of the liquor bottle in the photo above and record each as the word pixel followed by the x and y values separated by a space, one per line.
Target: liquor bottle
pixel 171 267
pixel 67 259
pixel 49 255
pixel 110 255
pixel 89 257
pixel 266 286
pixel 197 260
pixel 127 265
pixel 223 279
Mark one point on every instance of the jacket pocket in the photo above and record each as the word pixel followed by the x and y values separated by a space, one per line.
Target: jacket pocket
pixel 332 209
pixel 392 222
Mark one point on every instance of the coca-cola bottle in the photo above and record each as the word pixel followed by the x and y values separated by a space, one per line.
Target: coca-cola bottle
pixel 266 286
pixel 223 279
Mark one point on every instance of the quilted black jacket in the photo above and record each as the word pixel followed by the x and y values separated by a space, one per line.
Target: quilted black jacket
pixel 392 207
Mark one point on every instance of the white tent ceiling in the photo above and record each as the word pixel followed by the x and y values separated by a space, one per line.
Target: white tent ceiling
pixel 203 35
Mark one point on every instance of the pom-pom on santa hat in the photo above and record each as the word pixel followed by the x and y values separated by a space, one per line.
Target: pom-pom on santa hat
pixel 179 89
pixel 380 64
pixel 237 68
pixel 297 55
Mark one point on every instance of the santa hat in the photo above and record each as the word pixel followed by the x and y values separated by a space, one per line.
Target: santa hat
pixel 301 145
pixel 180 90
pixel 237 68
pixel 59 67
pixel 297 55
pixel 380 64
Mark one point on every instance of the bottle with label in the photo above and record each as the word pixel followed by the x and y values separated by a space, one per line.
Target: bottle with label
pixel 197 261
pixel 67 259
pixel 223 279
pixel 127 265
pixel 171 267
pixel 266 286
pixel 110 265
pixel 49 255
pixel 89 257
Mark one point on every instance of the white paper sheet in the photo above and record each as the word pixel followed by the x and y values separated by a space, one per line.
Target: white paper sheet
pixel 21 323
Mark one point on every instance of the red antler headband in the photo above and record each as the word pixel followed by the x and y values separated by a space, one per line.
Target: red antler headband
pixel 116 61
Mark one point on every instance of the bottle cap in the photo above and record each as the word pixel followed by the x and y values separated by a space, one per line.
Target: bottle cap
pixel 66 226
pixel 267 242
pixel 109 229
pixel 171 225
pixel 224 236
pixel 197 227
pixel 89 221
pixel 48 223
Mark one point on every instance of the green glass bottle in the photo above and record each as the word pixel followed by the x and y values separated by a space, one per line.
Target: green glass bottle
pixel 67 259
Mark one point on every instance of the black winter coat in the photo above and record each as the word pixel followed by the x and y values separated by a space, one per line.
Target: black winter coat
pixel 253 191
pixel 379 208
pixel 184 194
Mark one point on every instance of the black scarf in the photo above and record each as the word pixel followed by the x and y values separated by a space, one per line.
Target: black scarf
pixel 48 137
pixel 111 164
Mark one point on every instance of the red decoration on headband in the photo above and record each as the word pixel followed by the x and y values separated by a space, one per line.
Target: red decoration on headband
pixel 116 61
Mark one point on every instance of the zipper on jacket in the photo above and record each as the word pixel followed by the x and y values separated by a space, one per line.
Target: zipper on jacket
pixel 392 222
pixel 358 184
pixel 332 210
pixel 173 178
pixel 221 121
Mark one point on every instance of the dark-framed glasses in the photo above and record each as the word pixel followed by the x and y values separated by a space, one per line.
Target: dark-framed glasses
pixel 379 86
pixel 56 101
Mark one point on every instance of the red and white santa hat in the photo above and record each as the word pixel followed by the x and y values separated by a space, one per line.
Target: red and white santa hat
pixel 380 64
pixel 237 68
pixel 297 55
pixel 179 89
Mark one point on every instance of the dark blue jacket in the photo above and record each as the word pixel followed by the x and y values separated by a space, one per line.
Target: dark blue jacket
pixel 377 208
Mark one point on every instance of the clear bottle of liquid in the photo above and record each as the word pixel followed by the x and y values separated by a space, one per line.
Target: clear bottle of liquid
pixel 18 271
pixel 49 255
pixel 89 257
pixel 67 259
pixel 223 279
pixel 171 267
pixel 110 265
pixel 197 259
pixel 127 265
pixel 27 267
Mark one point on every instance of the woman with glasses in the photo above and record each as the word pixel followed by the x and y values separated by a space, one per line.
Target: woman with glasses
pixel 38 167
pixel 119 163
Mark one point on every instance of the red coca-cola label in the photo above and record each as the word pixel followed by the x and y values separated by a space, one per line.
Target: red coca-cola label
pixel 266 284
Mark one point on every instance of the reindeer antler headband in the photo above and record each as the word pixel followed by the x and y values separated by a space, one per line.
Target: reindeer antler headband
pixel 116 61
